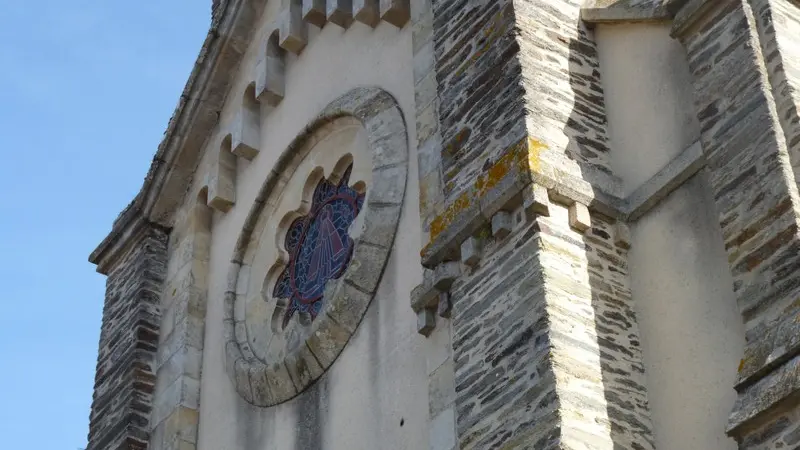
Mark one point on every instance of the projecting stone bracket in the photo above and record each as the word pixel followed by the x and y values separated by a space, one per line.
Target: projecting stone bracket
pixel 245 134
pixel 270 80
pixel 432 296
pixel 344 12
pixel 293 34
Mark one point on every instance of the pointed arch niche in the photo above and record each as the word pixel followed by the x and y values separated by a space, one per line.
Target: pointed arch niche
pixel 313 249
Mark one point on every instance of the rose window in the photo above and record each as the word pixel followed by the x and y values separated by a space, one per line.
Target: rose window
pixel 319 247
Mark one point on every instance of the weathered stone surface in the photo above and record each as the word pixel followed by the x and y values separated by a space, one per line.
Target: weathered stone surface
pixel 622 235
pixel 755 192
pixel 445 275
pixel 315 12
pixel 245 133
pixel 471 251
pixel 366 12
pixel 536 200
pixel 126 362
pixel 426 322
pixel 424 296
pixel 327 341
pixel 303 368
pixel 221 179
pixel 579 218
pixel 396 12
pixel 270 75
pixel 445 306
pixel 293 33
pixel 340 12
pixel 501 225
pixel 536 290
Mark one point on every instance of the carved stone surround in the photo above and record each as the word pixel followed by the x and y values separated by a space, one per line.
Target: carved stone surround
pixel 266 383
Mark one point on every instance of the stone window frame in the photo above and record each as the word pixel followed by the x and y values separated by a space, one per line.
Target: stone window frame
pixel 348 297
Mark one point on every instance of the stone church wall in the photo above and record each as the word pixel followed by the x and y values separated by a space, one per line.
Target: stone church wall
pixel 374 396
pixel 573 232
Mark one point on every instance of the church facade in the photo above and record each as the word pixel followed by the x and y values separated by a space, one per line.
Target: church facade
pixel 466 224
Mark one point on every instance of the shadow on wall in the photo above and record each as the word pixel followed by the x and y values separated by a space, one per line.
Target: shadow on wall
pixel 611 328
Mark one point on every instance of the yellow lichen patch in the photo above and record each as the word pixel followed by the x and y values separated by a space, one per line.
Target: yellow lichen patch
pixel 444 219
pixel 497 172
pixel 534 155
pixel 523 154
pixel 741 365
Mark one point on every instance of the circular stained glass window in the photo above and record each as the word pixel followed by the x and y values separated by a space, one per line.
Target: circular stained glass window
pixel 319 247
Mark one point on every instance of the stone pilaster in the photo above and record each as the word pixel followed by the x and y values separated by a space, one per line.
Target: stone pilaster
pixel 778 25
pixel 749 164
pixel 176 408
pixel 125 379
pixel 546 343
pixel 545 347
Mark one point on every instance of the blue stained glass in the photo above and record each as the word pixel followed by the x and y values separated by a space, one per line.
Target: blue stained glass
pixel 319 246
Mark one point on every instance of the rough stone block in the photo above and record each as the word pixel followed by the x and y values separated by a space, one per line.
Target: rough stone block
pixel 535 200
pixel 327 341
pixel 579 218
pixel 392 188
pixel 380 224
pixel 471 251
pixel 426 322
pixel 424 296
pixel 445 274
pixel 366 266
pixel 622 235
pixel 314 12
pixel 242 378
pixel 270 81
pixel 501 225
pixel 445 307
pixel 293 35
pixel 340 12
pixel 303 367
pixel 396 12
pixel 345 304
pixel 366 12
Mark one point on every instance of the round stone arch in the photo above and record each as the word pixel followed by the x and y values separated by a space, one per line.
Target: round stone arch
pixel 265 381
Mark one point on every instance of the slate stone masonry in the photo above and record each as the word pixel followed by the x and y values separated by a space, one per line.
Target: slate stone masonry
pixel 756 196
pixel 545 342
pixel 125 379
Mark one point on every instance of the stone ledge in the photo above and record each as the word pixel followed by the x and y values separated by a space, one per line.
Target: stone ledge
pixel 509 178
pixel 666 180
pixel 623 13
pixel 780 386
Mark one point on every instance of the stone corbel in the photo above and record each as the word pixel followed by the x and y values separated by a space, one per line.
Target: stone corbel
pixel 367 12
pixel 340 12
pixel 245 132
pixel 396 12
pixel 270 74
pixel 315 12
pixel 221 178
pixel 432 296
pixel 293 34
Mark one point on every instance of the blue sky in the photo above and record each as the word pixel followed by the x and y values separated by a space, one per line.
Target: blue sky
pixel 86 88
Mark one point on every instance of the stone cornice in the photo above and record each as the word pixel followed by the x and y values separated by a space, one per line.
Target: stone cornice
pixel 196 114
